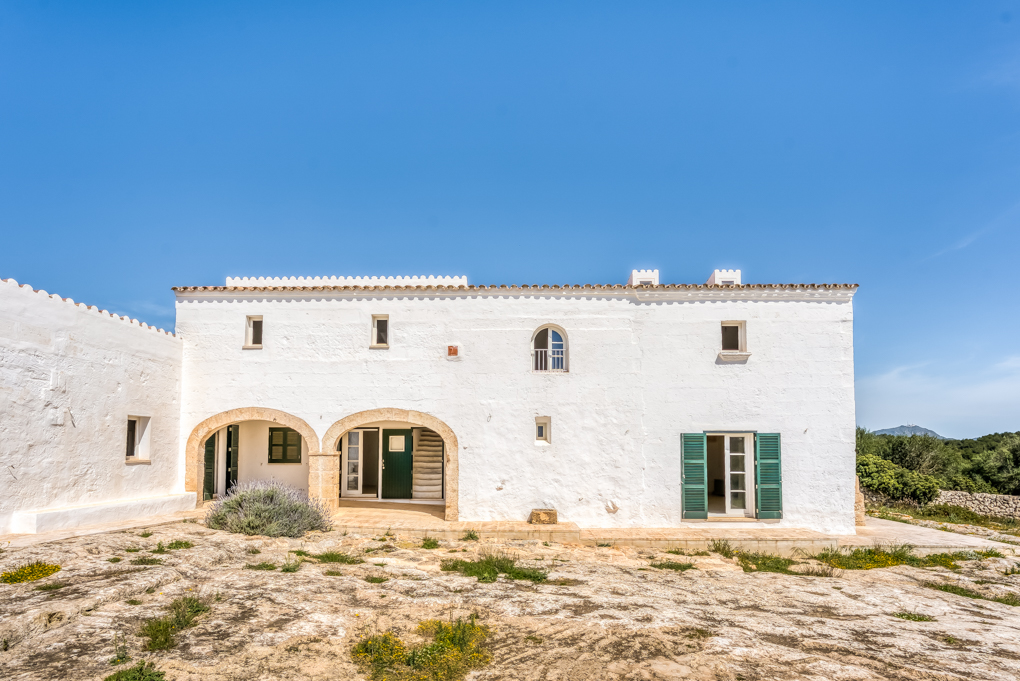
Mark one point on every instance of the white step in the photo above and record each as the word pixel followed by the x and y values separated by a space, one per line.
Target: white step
pixel 427 467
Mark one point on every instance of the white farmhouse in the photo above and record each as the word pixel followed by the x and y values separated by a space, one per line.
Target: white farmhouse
pixel 637 405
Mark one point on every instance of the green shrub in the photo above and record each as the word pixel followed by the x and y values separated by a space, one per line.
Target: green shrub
pixel 471 535
pixel 268 508
pixel 723 548
pixel 455 648
pixel 264 565
pixel 29 572
pixel 143 671
pixel 147 560
pixel 895 482
pixel 179 544
pixel 488 567
pixel 183 613
pixel 430 543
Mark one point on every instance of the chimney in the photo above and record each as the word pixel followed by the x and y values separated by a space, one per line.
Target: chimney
pixel 643 278
pixel 724 278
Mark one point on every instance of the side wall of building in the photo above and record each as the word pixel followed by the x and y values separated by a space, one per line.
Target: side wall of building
pixel 70 376
pixel 642 373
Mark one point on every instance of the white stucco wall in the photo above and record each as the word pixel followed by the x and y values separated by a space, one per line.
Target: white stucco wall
pixel 643 370
pixel 69 378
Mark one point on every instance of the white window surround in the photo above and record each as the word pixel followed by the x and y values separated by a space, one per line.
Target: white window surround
pixel 384 328
pixel 543 430
pixel 739 354
pixel 253 328
pixel 142 443
pixel 555 357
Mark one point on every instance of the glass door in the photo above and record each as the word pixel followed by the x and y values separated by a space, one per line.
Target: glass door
pixel 738 470
pixel 351 464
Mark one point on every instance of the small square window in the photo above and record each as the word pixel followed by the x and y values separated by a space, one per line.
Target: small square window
pixel 731 338
pixel 253 332
pixel 543 429
pixel 380 331
pixel 734 342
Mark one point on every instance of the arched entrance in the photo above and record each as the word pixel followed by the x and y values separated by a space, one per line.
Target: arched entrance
pixel 417 418
pixel 194 468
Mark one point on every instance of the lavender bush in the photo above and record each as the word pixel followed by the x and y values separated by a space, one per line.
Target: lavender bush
pixel 268 508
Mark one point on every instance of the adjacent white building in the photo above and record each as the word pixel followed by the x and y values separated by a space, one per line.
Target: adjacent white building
pixel 637 405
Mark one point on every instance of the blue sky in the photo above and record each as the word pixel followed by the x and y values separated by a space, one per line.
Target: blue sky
pixel 146 145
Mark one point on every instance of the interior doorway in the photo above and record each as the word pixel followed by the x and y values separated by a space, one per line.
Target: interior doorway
pixel 360 463
pixel 730 464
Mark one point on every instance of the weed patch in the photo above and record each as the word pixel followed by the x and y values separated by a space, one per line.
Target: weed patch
pixel 252 551
pixel 681 552
pixel 160 549
pixel 147 560
pixel 333 573
pixel 488 567
pixel 337 557
pixel 764 562
pixel 371 579
pixel 1008 599
pixel 264 565
pixel 183 613
pixel 143 671
pixel 881 557
pixel 673 565
pixel 302 553
pixel 430 543
pixel 133 601
pixel 455 649
pixel 291 566
pixel 603 544
pixel 133 550
pixel 913 617
pixel 115 559
pixel 145 535
pixel 471 535
pixel 29 572
pixel 178 544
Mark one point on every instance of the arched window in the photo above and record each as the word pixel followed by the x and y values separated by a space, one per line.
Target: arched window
pixel 549 350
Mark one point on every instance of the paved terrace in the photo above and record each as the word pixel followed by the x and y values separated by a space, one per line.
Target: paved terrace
pixel 419 520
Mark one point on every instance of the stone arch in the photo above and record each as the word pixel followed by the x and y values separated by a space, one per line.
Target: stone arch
pixel 201 432
pixel 450 465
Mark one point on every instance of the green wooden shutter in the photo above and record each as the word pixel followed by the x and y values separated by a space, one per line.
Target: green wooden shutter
pixel 768 471
pixel 209 481
pixel 694 480
pixel 233 451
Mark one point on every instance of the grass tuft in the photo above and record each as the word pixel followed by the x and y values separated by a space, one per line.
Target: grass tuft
pixel 145 535
pixel 143 671
pixel 882 557
pixel 29 572
pixel 913 616
pixel 160 549
pixel 430 543
pixel 268 508
pixel 252 551
pixel 264 565
pixel 673 565
pixel 51 586
pixel 471 535
pixel 333 573
pixel 147 560
pixel 182 613
pixel 291 566
pixel 723 548
pixel 133 601
pixel 454 649
pixel 338 557
pixel 489 566
pixel 179 544
pixel 681 552
pixel 1009 599
pixel 372 579
pixel 764 562
pixel 115 559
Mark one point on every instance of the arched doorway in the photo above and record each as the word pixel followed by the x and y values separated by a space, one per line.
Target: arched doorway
pixel 195 469
pixel 415 418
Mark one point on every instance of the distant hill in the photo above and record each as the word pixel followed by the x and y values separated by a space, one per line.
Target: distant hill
pixel 909 430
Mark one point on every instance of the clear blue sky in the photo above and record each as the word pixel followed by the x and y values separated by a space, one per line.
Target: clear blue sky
pixel 146 145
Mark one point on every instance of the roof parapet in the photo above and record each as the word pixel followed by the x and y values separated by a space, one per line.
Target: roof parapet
pixel 301 282
pixel 643 278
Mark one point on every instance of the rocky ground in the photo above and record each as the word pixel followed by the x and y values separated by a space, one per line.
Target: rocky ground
pixel 609 615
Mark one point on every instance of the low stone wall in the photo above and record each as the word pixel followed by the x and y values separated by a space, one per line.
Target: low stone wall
pixel 1001 505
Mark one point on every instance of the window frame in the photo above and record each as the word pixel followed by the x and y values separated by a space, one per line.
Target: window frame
pixel 249 332
pixel 373 341
pixel 286 446
pixel 566 350
pixel 140 449
pixel 741 352
pixel 545 423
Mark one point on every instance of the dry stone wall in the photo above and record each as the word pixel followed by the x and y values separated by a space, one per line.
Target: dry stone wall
pixel 1001 505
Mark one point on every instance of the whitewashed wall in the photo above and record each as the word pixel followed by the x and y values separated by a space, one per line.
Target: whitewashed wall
pixel 641 373
pixel 69 378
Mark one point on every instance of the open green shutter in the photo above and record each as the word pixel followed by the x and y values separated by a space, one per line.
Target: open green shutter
pixel 768 475
pixel 694 480
pixel 209 481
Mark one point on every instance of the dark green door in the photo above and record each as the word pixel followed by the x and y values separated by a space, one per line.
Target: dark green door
pixel 694 476
pixel 396 462
pixel 233 434
pixel 209 481
pixel 768 471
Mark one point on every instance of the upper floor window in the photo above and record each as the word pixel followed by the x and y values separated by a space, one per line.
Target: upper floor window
pixel 253 332
pixel 549 350
pixel 380 331
pixel 734 342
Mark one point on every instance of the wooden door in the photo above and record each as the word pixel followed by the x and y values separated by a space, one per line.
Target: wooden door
pixel 694 476
pixel 398 446
pixel 209 479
